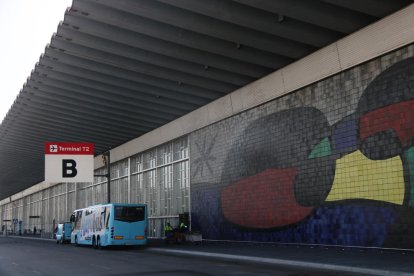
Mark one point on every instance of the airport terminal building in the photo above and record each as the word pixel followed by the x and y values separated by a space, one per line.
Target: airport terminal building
pixel 318 151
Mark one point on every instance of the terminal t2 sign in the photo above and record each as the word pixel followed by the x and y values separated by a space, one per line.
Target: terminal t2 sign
pixel 68 162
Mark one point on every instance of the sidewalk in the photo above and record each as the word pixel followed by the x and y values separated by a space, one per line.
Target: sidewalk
pixel 354 260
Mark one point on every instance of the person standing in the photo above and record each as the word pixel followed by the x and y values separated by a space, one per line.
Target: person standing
pixel 168 232
pixel 182 227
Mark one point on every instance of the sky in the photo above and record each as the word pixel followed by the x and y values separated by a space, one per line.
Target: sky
pixel 26 27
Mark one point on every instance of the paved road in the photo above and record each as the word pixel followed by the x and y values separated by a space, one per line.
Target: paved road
pixel 367 261
pixel 37 257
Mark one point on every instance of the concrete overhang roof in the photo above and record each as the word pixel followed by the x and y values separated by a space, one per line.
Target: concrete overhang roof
pixel 117 69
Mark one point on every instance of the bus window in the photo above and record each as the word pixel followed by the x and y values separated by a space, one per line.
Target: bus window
pixel 78 219
pixel 129 214
pixel 108 215
pixel 72 218
pixel 102 218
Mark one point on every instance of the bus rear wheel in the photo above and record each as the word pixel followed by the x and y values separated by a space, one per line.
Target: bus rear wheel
pixel 94 242
pixel 76 241
pixel 98 243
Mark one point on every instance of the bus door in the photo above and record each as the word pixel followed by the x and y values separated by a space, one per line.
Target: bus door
pixel 76 219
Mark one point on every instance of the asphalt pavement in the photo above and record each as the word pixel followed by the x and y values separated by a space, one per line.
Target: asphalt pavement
pixel 368 261
pixel 338 260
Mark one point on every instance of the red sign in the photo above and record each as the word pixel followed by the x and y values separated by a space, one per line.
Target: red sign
pixel 64 148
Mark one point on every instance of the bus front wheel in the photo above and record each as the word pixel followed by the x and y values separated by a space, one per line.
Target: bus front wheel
pixel 76 241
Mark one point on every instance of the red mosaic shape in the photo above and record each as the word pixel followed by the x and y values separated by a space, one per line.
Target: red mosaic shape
pixel 265 200
pixel 399 117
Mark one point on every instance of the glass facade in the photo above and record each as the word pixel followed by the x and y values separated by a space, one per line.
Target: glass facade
pixel 158 177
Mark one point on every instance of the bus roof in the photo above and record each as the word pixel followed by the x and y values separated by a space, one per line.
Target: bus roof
pixel 112 204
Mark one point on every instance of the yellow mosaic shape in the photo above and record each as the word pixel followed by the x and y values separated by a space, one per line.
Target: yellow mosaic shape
pixel 357 177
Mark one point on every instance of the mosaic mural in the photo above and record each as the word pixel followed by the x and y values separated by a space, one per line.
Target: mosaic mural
pixel 291 173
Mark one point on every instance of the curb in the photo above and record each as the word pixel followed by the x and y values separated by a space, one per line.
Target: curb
pixel 28 238
pixel 271 261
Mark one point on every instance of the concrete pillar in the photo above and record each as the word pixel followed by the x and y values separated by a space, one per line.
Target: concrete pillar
pixel 129 179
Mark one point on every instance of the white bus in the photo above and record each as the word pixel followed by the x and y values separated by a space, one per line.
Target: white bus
pixel 110 224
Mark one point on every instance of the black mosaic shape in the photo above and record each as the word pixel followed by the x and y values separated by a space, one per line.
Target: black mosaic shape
pixel 393 85
pixel 314 180
pixel 382 145
pixel 400 231
pixel 279 140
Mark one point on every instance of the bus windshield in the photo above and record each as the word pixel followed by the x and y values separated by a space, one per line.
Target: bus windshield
pixel 129 214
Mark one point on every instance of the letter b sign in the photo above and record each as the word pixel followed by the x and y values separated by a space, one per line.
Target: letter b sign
pixel 69 168
pixel 68 162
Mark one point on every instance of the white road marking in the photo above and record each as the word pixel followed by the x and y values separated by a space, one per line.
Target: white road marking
pixel 313 265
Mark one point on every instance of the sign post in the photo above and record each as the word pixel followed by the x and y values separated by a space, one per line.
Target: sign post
pixel 69 162
pixel 106 158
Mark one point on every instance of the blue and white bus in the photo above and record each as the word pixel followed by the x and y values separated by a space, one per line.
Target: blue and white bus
pixel 110 224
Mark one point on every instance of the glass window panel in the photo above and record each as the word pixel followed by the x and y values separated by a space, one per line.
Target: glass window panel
pixel 119 190
pixel 149 161
pixel 152 192
pixel 137 189
pixel 119 169
pixel 164 154
pixel 102 178
pixel 181 187
pixel 166 185
pixel 180 149
pixel 136 163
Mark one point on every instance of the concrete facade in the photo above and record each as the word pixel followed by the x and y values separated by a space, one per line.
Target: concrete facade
pixel 318 152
